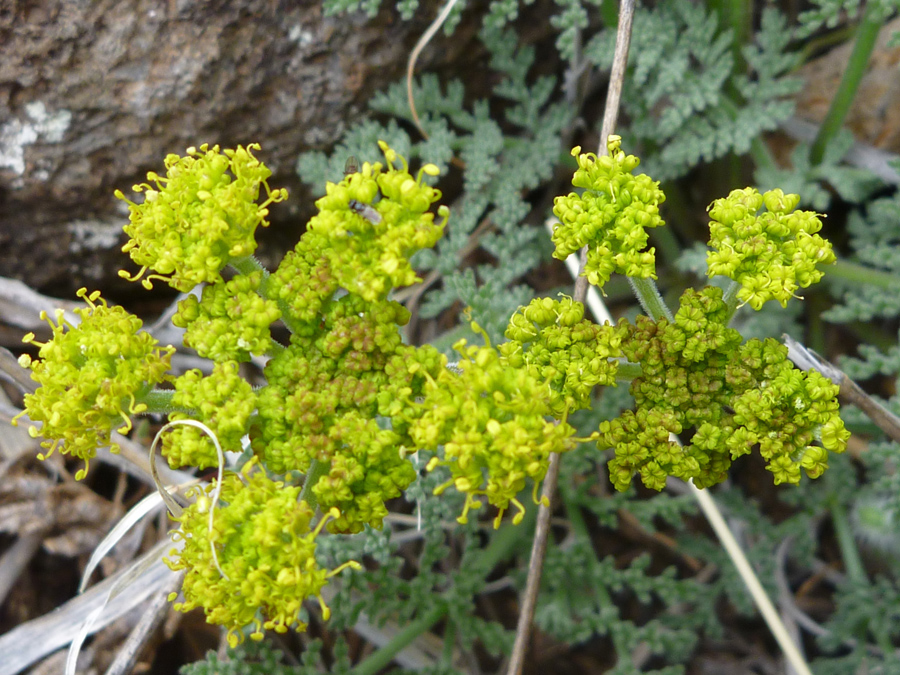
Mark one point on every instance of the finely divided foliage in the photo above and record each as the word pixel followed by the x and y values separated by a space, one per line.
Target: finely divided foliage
pixel 350 416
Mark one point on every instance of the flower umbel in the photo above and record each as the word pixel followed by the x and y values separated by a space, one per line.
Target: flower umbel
pixel 223 401
pixel 490 418
pixel 610 217
pixel 91 378
pixel 553 340
pixel 368 226
pixel 230 321
pixel 697 378
pixel 198 217
pixel 265 544
pixel 771 254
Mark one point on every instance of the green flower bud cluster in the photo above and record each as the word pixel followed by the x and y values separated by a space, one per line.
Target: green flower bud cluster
pixel 490 418
pixel 784 416
pixel 198 217
pixel 771 254
pixel 92 377
pixel 408 372
pixel 365 470
pixel 367 227
pixel 320 404
pixel 265 556
pixel 556 344
pixel 610 217
pixel 223 401
pixel 230 321
pixel 698 378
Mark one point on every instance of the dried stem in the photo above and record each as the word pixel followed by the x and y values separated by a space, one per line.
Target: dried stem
pixel 414 56
pixel 542 530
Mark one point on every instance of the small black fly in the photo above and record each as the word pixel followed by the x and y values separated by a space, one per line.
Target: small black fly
pixel 367 211
pixel 351 166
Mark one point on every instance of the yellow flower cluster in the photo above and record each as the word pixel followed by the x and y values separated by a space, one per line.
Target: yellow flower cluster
pixel 92 377
pixel 265 556
pixel 771 254
pixel 610 217
pixel 197 218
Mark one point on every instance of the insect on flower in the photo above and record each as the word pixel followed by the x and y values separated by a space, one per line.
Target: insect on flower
pixel 351 166
pixel 366 211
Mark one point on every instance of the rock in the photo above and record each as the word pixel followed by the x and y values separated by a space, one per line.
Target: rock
pixel 93 94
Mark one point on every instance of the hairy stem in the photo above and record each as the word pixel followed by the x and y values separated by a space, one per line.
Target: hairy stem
pixel 248 265
pixel 651 301
pixel 316 470
pixel 160 401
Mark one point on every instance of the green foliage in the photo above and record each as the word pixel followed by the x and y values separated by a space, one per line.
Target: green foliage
pixel 817 182
pixel 252 658
pixel 383 592
pixel 875 240
pixel 865 610
pixel 577 603
pixel 829 13
pixel 685 98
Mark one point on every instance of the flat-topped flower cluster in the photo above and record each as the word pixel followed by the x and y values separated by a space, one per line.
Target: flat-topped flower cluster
pixel 346 402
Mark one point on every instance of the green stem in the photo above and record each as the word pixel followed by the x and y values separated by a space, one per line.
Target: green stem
pixel 861 274
pixel 316 470
pixel 762 156
pixel 814 306
pixel 248 265
pixel 822 44
pixel 856 571
pixel 849 552
pixel 648 295
pixel 667 243
pixel 573 511
pixel 866 36
pixel 736 15
pixel 380 658
pixel 160 401
pixel 730 296
pixel 449 640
